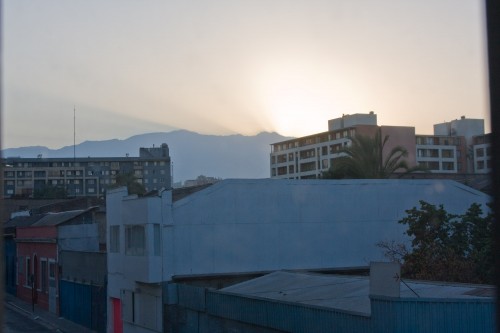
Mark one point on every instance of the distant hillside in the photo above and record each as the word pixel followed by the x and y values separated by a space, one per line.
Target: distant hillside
pixel 193 154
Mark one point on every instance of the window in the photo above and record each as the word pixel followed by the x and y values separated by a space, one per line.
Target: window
pixel 135 240
pixel 27 277
pixel 311 166
pixel 20 267
pixel 43 275
pixel 447 153
pixel 282 158
pixel 307 153
pixel 480 165
pixel 114 238
pixel 281 171
pixel 157 239
pixel 324 164
pixel 448 166
pixel 480 152
pixel 52 270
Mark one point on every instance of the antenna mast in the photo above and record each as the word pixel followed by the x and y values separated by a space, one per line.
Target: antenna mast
pixel 74 133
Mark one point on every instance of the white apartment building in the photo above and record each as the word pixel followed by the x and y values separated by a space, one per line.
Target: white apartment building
pixel 456 147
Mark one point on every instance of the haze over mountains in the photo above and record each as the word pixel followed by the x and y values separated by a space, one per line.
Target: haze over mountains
pixel 192 154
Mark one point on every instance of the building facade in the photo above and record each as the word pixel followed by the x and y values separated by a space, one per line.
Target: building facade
pixel 91 176
pixel 38 252
pixel 456 147
pixel 248 226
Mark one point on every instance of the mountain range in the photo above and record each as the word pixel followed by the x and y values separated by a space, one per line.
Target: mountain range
pixel 192 154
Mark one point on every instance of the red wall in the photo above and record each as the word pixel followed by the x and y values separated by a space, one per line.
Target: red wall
pixel 39 242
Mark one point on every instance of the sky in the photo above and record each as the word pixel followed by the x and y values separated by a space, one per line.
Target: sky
pixel 127 67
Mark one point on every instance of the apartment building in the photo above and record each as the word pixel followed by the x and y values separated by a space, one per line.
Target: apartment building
pixel 87 176
pixel 459 146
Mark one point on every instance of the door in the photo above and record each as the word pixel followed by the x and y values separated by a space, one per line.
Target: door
pixel 117 315
pixel 52 287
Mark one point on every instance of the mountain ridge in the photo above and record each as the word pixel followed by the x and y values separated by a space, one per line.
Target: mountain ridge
pixel 192 154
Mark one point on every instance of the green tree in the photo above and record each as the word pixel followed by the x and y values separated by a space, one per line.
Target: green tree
pixel 49 191
pixel 129 180
pixel 447 247
pixel 365 159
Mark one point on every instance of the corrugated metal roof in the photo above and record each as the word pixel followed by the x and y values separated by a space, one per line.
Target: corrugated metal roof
pixel 22 221
pixel 57 218
pixel 349 293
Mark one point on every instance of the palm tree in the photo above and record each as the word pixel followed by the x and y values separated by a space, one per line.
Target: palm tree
pixel 364 159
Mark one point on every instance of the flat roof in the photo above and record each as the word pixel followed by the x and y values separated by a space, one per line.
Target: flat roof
pixel 348 293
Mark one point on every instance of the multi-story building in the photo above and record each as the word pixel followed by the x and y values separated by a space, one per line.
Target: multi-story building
pixel 481 149
pixel 456 147
pixel 309 156
pixel 87 176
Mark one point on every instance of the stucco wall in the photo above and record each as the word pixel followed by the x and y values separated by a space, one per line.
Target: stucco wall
pixel 260 225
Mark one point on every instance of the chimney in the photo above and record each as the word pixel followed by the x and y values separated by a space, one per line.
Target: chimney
pixel 385 279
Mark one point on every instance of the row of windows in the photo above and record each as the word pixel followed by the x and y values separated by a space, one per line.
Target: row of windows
pixel 480 152
pixel 36 273
pixel 346 133
pixel 445 153
pixel 112 165
pixel 309 153
pixel 480 165
pixel 437 166
pixel 135 240
pixel 433 140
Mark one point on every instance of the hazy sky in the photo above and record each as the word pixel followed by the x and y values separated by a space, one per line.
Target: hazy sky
pixel 225 67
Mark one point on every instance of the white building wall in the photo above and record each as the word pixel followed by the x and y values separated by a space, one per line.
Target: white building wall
pixel 79 237
pixel 238 226
pixel 124 271
pixel 461 127
pixel 260 225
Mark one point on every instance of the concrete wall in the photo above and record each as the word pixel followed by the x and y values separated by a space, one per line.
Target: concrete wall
pixel 86 267
pixel 401 136
pixel 461 127
pixel 79 237
pixel 123 270
pixel 260 225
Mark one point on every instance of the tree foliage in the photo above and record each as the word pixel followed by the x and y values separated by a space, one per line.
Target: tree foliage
pixel 130 181
pixel 49 191
pixel 447 247
pixel 364 159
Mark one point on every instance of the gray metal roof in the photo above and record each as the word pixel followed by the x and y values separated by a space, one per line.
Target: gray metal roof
pixel 22 221
pixel 57 218
pixel 350 293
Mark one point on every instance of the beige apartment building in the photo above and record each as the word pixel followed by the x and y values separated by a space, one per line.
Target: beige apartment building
pixel 459 146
